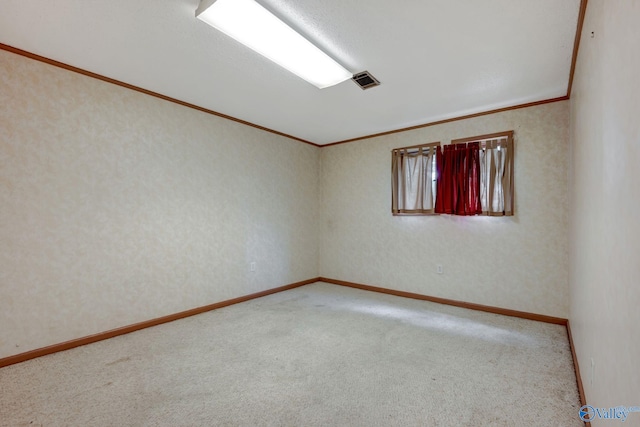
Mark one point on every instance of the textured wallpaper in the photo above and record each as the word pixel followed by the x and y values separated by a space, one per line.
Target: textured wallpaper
pixel 117 207
pixel 517 262
pixel 605 230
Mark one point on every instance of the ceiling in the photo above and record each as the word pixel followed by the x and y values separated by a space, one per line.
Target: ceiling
pixel 435 59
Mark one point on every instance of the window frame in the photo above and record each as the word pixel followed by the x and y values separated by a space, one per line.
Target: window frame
pixel 395 211
pixel 491 141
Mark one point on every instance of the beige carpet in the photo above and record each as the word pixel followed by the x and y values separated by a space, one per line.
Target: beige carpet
pixel 319 355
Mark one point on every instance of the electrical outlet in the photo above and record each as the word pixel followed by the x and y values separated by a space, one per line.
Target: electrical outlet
pixel 439 269
pixel 252 266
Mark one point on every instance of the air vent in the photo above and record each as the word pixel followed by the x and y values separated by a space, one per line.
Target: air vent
pixel 365 80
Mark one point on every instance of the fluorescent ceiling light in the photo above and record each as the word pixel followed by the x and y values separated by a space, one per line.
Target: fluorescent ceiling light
pixel 257 28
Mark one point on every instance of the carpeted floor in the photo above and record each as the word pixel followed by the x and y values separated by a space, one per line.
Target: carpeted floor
pixel 319 355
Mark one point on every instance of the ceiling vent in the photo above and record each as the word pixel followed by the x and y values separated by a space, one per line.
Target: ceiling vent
pixel 365 80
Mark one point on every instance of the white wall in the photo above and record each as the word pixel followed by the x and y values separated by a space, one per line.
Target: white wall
pixel 515 262
pixel 605 188
pixel 117 207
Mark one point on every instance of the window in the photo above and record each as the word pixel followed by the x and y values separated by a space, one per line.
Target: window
pixel 471 176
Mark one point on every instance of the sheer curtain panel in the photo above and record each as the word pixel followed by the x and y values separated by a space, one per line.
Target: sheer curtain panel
pixel 413 184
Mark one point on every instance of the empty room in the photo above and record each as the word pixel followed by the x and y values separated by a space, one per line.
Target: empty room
pixel 319 213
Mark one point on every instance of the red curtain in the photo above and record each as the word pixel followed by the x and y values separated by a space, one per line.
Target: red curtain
pixel 458 180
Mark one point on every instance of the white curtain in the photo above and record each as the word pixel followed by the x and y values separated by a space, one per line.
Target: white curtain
pixel 413 179
pixel 496 176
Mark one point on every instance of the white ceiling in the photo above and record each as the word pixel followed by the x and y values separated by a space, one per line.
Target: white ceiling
pixel 435 59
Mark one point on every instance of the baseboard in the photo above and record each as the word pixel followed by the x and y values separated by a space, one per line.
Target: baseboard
pixel 472 306
pixel 170 318
pixel 576 367
pixel 142 325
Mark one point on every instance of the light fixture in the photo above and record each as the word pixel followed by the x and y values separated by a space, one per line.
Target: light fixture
pixel 257 28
